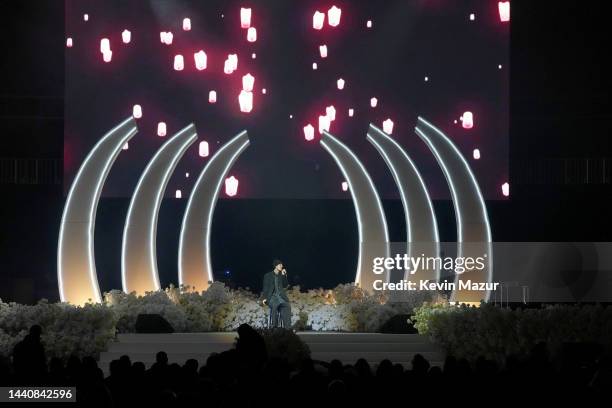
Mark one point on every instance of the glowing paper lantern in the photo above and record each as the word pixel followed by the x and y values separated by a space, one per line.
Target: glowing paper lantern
pixel 166 37
pixel 107 56
pixel 186 24
pixel 330 112
pixel 178 194
pixel 467 120
pixel 252 34
pixel 369 24
pixel 161 129
pixel 203 149
pixel 373 102
pixel 506 189
pixel 388 126
pixel 344 186
pixel 309 132
pixel 351 112
pixel 137 111
pixel 504 11
pixel 323 51
pixel 200 60
pixel 248 81
pixel 314 66
pixel 231 186
pixel 317 20
pixel 179 63
pixel 227 67
pixel 340 83
pixel 104 45
pixel 126 36
pixel 476 154
pixel 212 96
pixel 69 42
pixel 245 17
pixel 324 123
pixel 245 99
pixel 333 16
pixel 233 58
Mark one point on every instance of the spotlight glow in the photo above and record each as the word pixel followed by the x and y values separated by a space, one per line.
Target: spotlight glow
pixel 344 186
pixel 212 96
pixel 186 24
pixel 373 102
pixel 351 112
pixel 178 194
pixel 340 83
pixel 69 42
pixel 369 24
pixel 314 66
pixel 476 154
pixel 107 56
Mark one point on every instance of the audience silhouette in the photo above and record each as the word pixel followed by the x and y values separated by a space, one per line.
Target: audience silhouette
pixel 246 376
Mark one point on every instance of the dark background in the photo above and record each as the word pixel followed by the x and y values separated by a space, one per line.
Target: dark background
pixel 408 41
pixel 560 120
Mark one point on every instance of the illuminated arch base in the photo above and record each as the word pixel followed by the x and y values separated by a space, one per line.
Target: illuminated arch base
pixel 473 230
pixel 195 269
pixel 371 221
pixel 76 266
pixel 138 259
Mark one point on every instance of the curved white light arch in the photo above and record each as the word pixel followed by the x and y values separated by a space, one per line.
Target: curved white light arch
pixel 139 251
pixel 195 269
pixel 421 224
pixel 371 221
pixel 76 267
pixel 473 228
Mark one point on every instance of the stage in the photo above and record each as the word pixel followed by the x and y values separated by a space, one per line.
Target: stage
pixel 324 346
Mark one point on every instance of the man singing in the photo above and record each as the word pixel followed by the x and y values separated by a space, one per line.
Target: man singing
pixel 275 295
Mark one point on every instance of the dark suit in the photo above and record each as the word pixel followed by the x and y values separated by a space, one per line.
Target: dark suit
pixel 275 292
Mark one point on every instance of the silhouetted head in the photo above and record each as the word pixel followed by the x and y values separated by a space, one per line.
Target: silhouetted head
pixel 161 357
pixel 35 331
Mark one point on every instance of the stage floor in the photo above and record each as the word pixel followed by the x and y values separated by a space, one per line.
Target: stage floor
pixel 324 346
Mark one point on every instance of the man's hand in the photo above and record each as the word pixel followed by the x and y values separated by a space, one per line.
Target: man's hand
pixel 284 271
pixel 264 302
